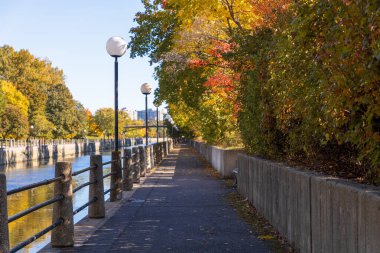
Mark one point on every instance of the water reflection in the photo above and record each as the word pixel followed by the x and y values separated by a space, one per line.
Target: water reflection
pixel 31 224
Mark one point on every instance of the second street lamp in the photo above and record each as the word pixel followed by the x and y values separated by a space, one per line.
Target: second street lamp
pixel 146 89
pixel 156 104
pixel 116 47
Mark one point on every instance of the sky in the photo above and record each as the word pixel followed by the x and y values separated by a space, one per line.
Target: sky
pixel 72 34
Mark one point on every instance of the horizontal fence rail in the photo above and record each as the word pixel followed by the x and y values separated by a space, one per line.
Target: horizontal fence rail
pixel 35 185
pixel 84 185
pixel 76 173
pixel 36 236
pixel 85 205
pixel 35 208
pixel 109 162
pixel 125 170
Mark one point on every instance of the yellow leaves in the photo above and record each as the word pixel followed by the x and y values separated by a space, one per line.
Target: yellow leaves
pixel 14 97
pixel 204 21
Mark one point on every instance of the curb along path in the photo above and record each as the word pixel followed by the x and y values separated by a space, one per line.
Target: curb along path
pixel 179 208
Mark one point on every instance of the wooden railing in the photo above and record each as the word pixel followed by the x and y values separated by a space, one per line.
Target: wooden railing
pixel 125 170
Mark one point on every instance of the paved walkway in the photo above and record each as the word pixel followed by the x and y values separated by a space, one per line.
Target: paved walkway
pixel 179 208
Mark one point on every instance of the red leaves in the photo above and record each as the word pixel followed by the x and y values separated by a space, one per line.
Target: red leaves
pixel 197 63
pixel 223 82
pixel 219 80
pixel 220 48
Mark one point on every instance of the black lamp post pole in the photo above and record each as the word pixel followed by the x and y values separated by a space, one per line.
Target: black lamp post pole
pixel 146 119
pixel 157 123
pixel 116 106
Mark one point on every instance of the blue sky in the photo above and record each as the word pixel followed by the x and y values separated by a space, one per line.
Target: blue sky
pixel 72 34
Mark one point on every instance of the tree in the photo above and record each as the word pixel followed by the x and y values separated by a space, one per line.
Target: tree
pixel 14 97
pixel 81 126
pixel 14 112
pixel 30 75
pixel 188 40
pixel 62 112
pixel 2 101
pixel 42 127
pixel 104 119
pixel 299 78
pixel 13 123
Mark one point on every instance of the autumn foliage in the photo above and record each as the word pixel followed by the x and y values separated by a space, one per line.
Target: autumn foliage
pixel 288 79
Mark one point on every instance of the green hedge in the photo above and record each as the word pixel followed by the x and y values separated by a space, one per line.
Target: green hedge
pixel 314 85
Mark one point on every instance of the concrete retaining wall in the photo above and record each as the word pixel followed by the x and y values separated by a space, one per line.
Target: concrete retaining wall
pixel 315 213
pixel 223 160
pixel 11 155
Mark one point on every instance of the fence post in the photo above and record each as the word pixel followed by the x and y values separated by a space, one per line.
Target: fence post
pixel 4 233
pixel 158 153
pixel 96 210
pixel 116 192
pixel 63 235
pixel 127 167
pixel 164 148
pixel 142 161
pixel 136 165
pixel 155 149
pixel 161 151
pixel 148 163
pixel 152 164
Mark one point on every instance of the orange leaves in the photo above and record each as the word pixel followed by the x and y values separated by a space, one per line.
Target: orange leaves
pixel 224 85
pixel 196 63
pixel 268 11
pixel 220 79
pixel 219 48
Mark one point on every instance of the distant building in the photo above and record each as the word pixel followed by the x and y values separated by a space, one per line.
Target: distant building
pixel 152 115
pixel 161 114
pixel 132 114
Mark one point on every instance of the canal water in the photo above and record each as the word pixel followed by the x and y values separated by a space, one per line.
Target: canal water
pixel 21 174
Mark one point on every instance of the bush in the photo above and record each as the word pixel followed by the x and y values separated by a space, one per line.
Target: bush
pixel 314 84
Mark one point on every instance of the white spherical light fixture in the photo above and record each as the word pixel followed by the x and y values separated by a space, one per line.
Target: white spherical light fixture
pixel 146 88
pixel 116 46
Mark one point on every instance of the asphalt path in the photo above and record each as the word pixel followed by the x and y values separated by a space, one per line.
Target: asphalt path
pixel 179 208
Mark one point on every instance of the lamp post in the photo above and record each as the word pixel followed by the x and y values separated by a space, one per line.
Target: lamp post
pixel 146 89
pixel 116 47
pixel 156 104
